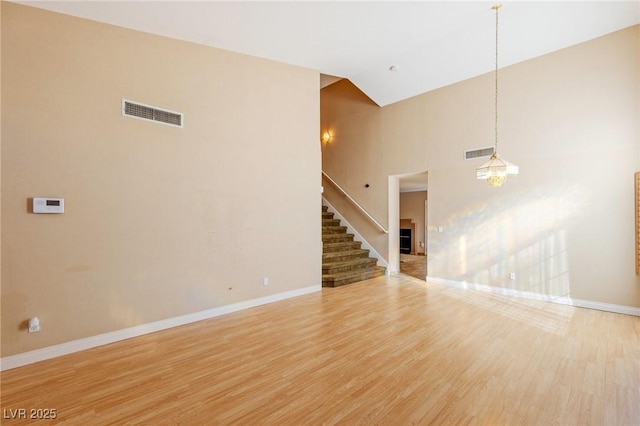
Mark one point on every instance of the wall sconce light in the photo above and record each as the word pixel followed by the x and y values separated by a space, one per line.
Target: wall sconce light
pixel 326 137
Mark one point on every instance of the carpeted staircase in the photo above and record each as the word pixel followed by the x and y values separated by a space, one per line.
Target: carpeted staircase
pixel 343 261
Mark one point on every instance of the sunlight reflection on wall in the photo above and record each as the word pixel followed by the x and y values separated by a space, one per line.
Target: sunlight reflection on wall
pixel 525 233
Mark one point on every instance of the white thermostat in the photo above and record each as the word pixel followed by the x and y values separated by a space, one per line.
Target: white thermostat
pixel 48 205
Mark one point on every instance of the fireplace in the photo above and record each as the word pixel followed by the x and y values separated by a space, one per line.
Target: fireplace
pixel 405 241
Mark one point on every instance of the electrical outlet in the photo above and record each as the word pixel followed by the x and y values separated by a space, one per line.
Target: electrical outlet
pixel 34 325
pixel 512 275
pixel 265 281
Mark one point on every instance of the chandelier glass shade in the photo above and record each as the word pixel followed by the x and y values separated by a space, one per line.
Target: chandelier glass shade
pixel 496 170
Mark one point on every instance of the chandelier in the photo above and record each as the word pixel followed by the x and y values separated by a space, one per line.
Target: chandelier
pixel 496 170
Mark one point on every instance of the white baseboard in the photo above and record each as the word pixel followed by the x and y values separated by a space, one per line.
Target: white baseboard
pixel 563 300
pixel 356 235
pixel 37 355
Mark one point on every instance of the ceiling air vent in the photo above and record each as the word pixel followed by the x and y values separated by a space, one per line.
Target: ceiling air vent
pixel 478 153
pixel 151 113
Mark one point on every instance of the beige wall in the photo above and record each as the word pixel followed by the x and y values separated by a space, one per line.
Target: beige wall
pixel 412 208
pixel 569 120
pixel 0 151
pixel 349 115
pixel 159 221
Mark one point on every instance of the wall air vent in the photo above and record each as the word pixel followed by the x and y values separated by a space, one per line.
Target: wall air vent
pixel 151 113
pixel 478 153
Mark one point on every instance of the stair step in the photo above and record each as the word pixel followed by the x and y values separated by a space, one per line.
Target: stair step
pixel 336 280
pixel 343 259
pixel 342 256
pixel 334 230
pixel 357 264
pixel 330 222
pixel 335 238
pixel 332 246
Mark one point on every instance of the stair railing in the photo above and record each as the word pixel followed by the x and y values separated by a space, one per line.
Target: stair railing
pixel 355 203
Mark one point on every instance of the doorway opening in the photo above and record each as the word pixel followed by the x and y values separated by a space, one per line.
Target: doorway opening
pixel 408 223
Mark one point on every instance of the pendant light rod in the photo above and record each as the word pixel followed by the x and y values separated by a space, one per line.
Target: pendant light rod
pixel 495 144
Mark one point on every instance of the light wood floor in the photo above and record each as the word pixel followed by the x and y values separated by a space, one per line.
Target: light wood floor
pixel 388 351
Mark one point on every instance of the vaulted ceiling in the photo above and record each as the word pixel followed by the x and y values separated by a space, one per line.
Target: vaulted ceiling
pixel 430 43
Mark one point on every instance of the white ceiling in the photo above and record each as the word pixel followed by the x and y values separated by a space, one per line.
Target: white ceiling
pixel 432 43
pixel 415 182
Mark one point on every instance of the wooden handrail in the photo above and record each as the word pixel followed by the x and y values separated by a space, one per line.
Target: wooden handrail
pixel 366 213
